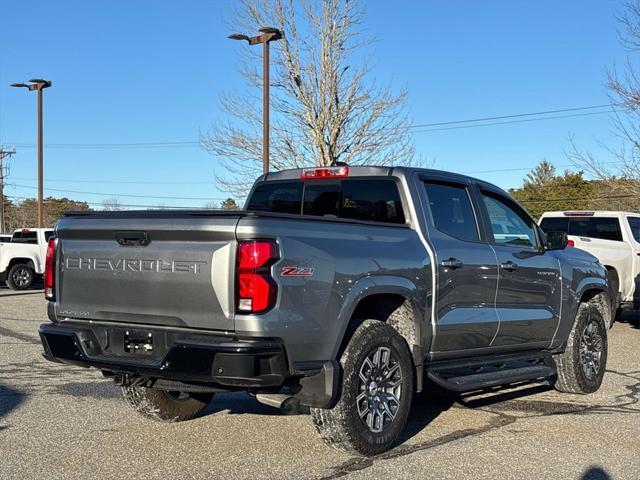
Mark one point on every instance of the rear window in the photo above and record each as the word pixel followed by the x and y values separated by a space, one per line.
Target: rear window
pixel 277 197
pixel 555 224
pixel 25 237
pixel 604 228
pixel 634 224
pixel 367 200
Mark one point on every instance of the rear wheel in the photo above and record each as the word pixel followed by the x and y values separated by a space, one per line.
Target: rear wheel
pixel 376 392
pixel 20 277
pixel 164 405
pixel 581 366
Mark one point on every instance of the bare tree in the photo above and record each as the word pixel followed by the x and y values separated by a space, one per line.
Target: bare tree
pixel 620 179
pixel 324 106
pixel 112 204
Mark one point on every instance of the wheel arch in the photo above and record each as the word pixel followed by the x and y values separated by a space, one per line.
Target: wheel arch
pixel 601 299
pixel 28 261
pixel 392 300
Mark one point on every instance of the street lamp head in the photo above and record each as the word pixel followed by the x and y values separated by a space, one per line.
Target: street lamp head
pixel 239 36
pixel 269 30
pixel 274 33
pixel 41 82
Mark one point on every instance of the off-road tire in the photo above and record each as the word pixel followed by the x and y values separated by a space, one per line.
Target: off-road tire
pixel 341 426
pixel 571 376
pixel 26 277
pixel 165 406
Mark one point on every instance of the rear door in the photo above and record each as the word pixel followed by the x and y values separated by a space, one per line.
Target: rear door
pixel 151 269
pixel 529 283
pixel 466 270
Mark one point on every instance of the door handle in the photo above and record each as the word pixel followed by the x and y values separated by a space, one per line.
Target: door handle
pixel 509 266
pixel 452 263
pixel 132 239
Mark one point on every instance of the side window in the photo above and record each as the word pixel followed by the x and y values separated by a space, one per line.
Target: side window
pixel 47 235
pixel 634 223
pixel 510 224
pixel 452 211
pixel 604 228
pixel 555 224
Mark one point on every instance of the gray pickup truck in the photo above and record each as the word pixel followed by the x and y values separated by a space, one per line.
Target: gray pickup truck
pixel 337 288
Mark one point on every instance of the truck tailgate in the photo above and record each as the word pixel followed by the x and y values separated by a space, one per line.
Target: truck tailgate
pixel 150 268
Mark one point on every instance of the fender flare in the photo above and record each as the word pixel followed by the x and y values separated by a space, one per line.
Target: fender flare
pixel 383 284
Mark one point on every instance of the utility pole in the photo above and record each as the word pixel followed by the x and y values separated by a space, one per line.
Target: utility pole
pixel 4 168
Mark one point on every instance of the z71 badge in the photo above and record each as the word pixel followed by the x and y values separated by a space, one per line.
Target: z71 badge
pixel 297 271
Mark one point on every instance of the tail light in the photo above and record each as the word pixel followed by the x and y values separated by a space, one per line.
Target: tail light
pixel 325 172
pixel 255 288
pixel 50 270
pixel 571 243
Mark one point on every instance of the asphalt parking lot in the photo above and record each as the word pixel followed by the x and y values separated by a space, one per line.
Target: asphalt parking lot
pixel 64 422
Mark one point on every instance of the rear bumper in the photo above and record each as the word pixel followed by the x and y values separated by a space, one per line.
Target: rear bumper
pixel 183 355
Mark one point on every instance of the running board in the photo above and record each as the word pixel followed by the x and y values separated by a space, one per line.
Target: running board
pixel 487 378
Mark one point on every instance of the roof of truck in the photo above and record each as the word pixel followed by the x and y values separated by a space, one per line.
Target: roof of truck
pixel 380 171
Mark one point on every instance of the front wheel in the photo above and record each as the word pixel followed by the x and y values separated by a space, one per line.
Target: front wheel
pixel 376 392
pixel 581 366
pixel 163 405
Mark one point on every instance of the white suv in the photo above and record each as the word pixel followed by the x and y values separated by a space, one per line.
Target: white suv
pixel 612 237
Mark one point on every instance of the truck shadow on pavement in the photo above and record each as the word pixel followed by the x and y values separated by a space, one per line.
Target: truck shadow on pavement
pixel 10 398
pixel 631 317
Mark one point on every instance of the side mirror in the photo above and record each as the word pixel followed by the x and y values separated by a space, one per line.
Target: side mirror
pixel 556 241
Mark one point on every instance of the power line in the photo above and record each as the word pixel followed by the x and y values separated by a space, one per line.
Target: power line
pixel 447 124
pixel 162 197
pixel 501 117
pixel 509 122
pixel 123 182
pixel 99 204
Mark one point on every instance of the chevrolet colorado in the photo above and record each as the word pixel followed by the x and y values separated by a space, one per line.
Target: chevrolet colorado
pixel 338 288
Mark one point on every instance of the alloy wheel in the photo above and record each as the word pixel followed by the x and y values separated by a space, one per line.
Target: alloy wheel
pixel 380 389
pixel 591 346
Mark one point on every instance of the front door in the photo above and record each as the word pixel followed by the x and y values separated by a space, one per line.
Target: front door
pixel 529 283
pixel 466 272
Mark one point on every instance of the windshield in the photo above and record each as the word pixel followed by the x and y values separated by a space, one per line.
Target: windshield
pixel 634 223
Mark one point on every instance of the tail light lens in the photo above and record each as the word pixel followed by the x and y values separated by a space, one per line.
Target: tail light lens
pixel 50 270
pixel 256 289
pixel 571 243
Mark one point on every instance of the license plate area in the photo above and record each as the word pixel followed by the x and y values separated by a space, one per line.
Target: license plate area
pixel 138 342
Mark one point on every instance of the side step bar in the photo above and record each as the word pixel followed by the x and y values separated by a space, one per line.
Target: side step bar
pixel 482 373
pixel 480 381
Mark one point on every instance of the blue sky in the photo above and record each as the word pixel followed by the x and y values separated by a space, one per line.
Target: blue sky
pixel 151 71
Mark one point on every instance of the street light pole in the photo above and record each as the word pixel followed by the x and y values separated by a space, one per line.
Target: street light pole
pixel 38 84
pixel 269 34
pixel 40 155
